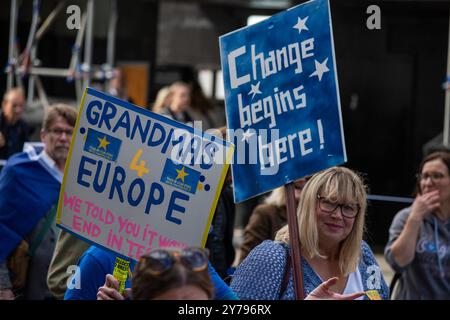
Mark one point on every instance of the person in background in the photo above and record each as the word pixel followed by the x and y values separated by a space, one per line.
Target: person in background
pixel 29 192
pixel 268 218
pixel 68 250
pixel 118 87
pixel 178 103
pixel 161 100
pixel 201 108
pixel 14 132
pixel 220 238
pixel 331 224
pixel 93 267
pixel 419 237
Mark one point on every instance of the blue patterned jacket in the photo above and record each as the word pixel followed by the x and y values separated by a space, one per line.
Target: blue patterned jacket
pixel 260 275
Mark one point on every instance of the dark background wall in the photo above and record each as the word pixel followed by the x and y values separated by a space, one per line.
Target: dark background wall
pixel 390 79
pixel 392 100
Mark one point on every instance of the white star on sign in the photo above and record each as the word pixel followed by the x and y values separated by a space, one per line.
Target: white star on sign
pixel 321 68
pixel 301 25
pixel 247 134
pixel 255 90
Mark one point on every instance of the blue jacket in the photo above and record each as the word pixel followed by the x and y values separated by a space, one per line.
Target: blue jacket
pixel 28 189
pixel 96 263
pixel 260 275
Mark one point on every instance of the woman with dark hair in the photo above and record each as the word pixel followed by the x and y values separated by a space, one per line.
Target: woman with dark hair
pixel 173 275
pixel 419 237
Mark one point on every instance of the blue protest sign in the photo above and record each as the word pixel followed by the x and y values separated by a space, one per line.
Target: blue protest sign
pixel 282 99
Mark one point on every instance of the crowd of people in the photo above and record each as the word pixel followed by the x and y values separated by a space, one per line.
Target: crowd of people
pixel 336 263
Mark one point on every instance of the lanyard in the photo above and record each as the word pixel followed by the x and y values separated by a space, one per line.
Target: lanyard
pixel 436 240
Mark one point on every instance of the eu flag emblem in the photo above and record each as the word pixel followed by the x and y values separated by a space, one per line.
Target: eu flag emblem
pixel 180 176
pixel 102 144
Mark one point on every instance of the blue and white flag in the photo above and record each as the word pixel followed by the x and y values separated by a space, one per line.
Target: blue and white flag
pixel 28 189
pixel 282 99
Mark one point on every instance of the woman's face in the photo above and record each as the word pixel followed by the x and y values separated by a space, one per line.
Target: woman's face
pixel 181 99
pixel 333 227
pixel 187 292
pixel 435 176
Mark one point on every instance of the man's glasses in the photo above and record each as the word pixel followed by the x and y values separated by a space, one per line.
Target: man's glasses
pixel 59 132
pixel 160 261
pixel 434 176
pixel 347 210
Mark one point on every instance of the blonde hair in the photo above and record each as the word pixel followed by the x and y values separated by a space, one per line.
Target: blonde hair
pixel 161 100
pixel 341 185
pixel 167 95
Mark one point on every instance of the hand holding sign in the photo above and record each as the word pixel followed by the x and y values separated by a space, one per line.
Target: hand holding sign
pixel 110 290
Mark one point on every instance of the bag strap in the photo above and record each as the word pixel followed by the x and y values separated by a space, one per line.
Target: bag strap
pixel 50 216
pixel 394 281
pixel 287 268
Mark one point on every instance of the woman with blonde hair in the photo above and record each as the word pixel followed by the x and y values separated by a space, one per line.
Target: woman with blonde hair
pixel 331 226
pixel 161 100
pixel 176 103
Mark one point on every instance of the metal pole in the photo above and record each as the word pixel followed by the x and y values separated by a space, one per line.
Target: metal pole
pixel 49 72
pixel 12 37
pixel 77 45
pixel 42 94
pixel 111 44
pixel 19 82
pixel 31 79
pixel 33 28
pixel 50 19
pixel 294 239
pixel 111 34
pixel 88 45
pixel 446 132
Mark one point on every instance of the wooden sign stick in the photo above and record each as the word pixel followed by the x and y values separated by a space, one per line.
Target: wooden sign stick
pixel 294 240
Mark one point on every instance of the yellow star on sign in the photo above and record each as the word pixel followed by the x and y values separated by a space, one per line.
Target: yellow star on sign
pixel 181 174
pixel 103 143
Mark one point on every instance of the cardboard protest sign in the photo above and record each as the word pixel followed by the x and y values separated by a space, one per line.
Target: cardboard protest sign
pixel 135 180
pixel 282 99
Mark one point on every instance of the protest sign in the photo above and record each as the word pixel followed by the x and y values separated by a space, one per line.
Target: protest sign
pixel 135 180
pixel 282 99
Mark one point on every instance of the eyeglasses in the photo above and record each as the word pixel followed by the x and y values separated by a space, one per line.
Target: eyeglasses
pixel 59 132
pixel 160 261
pixel 434 176
pixel 347 210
